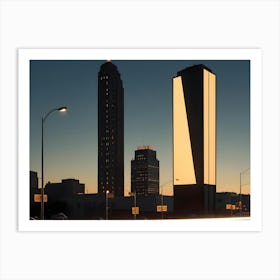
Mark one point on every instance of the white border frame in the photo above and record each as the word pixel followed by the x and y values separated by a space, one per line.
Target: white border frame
pixel 254 223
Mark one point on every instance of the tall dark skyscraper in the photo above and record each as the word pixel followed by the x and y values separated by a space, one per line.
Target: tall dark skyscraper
pixel 145 172
pixel 110 130
pixel 194 140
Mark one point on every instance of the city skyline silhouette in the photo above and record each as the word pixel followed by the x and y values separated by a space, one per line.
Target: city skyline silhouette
pixel 71 139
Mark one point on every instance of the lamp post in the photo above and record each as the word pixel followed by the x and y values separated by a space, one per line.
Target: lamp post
pixel 107 194
pixel 162 204
pixel 135 203
pixel 161 190
pixel 60 109
pixel 240 198
pixel 134 195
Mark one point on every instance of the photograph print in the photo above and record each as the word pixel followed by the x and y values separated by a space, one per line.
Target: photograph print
pixel 139 139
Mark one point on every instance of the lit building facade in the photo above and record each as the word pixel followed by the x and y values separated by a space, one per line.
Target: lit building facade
pixel 110 130
pixel 194 140
pixel 145 172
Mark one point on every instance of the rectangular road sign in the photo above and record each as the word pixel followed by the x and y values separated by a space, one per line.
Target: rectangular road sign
pixel 135 210
pixel 161 208
pixel 37 197
pixel 230 206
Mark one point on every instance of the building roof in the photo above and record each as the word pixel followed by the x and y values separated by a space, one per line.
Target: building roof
pixel 108 66
pixel 193 68
pixel 147 147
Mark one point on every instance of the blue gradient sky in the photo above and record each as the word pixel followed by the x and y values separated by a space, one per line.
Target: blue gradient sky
pixel 71 138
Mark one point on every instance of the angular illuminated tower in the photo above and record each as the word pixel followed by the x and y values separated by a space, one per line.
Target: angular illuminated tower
pixel 194 140
pixel 110 130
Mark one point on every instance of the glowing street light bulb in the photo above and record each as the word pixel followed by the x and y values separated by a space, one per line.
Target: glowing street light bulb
pixel 62 109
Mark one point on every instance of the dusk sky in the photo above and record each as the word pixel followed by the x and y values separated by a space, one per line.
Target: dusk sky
pixel 71 138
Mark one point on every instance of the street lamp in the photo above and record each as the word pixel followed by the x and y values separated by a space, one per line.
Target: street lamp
pixel 107 194
pixel 134 195
pixel 162 204
pixel 161 194
pixel 240 198
pixel 60 109
pixel 135 204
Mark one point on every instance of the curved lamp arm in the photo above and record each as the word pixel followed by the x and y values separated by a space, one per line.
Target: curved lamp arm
pixel 60 109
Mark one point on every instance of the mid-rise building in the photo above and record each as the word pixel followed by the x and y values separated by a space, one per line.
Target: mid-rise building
pixel 33 180
pixel 34 207
pixel 67 188
pixel 145 172
pixel 61 197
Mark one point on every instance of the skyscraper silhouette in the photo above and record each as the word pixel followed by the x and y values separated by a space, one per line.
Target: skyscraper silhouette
pixel 110 130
